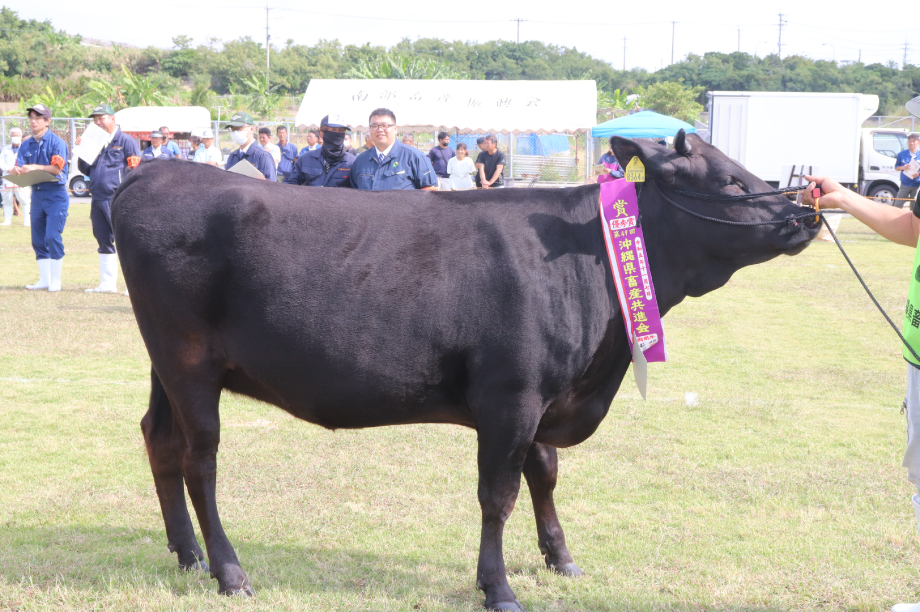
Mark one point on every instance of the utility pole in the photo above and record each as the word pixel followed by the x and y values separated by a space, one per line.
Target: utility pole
pixel 739 39
pixel 267 47
pixel 904 63
pixel 779 48
pixel 624 54
pixel 673 25
pixel 519 29
pixel 860 56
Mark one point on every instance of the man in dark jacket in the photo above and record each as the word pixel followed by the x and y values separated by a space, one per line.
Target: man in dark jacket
pixel 328 166
pixel 105 175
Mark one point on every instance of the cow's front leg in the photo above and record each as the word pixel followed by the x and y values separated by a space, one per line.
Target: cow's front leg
pixel 165 448
pixel 540 470
pixel 502 450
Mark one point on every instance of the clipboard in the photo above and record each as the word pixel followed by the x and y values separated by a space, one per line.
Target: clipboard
pixel 246 169
pixel 36 177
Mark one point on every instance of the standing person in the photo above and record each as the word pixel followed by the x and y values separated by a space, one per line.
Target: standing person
pixel 105 175
pixel 461 169
pixel 901 227
pixel 348 147
pixel 491 164
pixel 156 150
pixel 329 166
pixel 169 143
pixel 195 142
pixel 609 161
pixel 408 140
pixel 265 140
pixel 10 191
pixel 390 164
pixel 368 144
pixel 44 150
pixel 910 183
pixel 439 155
pixel 481 145
pixel 243 134
pixel 288 153
pixel 312 142
pixel 207 152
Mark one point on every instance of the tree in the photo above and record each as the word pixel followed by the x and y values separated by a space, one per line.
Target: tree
pixel 671 98
pixel 389 66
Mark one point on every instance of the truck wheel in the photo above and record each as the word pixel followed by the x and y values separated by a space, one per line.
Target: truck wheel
pixel 78 187
pixel 885 194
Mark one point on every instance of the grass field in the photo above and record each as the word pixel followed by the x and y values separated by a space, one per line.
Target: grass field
pixel 781 489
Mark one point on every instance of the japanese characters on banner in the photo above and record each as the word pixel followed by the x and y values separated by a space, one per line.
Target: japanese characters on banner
pixel 626 248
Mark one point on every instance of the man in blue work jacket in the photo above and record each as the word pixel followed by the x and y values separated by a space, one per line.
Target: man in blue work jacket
pixel 243 134
pixel 45 150
pixel 105 175
pixel 288 153
pixel 328 166
pixel 157 148
pixel 390 165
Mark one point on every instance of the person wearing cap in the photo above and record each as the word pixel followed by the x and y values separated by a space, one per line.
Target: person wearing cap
pixel 288 153
pixel 105 175
pixel 243 134
pixel 390 164
pixel 328 166
pixel 44 150
pixel 11 192
pixel 157 150
pixel 207 152
pixel 168 143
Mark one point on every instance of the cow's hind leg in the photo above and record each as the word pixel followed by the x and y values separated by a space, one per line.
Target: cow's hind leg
pixel 195 395
pixel 165 449
pixel 503 448
pixel 541 470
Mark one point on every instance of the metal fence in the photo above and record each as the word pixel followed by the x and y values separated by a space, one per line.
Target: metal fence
pixel 550 159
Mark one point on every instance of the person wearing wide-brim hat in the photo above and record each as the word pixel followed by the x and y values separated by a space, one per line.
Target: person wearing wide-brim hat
pixel 328 166
pixel 46 151
pixel 243 134
pixel 156 150
pixel 106 173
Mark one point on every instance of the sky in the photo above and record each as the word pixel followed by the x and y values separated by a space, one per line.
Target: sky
pixel 590 27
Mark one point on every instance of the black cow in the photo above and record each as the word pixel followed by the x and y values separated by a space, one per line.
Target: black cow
pixel 489 309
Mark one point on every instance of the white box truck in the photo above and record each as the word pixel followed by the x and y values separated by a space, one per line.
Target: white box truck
pixel 769 131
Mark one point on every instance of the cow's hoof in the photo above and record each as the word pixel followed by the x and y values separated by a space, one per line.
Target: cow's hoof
pixel 246 591
pixel 507 606
pixel 199 565
pixel 569 569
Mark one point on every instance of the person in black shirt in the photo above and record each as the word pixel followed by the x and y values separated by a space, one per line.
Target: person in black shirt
pixel 439 155
pixel 491 163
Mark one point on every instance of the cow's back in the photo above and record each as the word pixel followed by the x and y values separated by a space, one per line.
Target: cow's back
pixel 387 303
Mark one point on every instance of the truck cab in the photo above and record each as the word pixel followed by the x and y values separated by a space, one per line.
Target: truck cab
pixel 877 176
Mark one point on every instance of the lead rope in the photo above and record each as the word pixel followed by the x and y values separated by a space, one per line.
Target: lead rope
pixel 863 283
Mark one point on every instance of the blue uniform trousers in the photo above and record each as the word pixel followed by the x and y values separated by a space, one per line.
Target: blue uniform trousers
pixel 49 214
pixel 101 217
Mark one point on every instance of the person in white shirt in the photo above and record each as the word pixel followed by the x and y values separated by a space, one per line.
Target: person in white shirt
pixel 265 139
pixel 207 152
pixel 8 190
pixel 461 169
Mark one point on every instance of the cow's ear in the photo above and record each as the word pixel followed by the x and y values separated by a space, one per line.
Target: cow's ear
pixel 653 156
pixel 681 145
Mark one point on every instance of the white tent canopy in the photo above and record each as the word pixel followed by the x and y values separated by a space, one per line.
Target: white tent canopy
pixel 176 118
pixel 462 106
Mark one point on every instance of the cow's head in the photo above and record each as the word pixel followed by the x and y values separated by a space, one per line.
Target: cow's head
pixel 706 253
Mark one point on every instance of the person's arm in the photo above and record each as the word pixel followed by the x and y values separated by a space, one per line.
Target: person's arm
pixel 498 173
pixel 896 224
pixel 427 179
pixel 481 167
pixel 84 167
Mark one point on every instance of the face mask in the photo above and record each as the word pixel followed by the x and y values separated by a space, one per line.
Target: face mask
pixel 16 140
pixel 240 137
pixel 334 147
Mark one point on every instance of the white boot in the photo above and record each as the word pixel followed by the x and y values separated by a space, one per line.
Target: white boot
pixel 7 215
pixel 44 273
pixel 914 607
pixel 54 278
pixel 108 273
